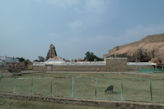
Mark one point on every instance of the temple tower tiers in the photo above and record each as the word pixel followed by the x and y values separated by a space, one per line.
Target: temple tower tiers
pixel 51 52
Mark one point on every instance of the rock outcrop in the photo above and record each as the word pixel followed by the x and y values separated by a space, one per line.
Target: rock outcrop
pixel 150 48
pixel 52 52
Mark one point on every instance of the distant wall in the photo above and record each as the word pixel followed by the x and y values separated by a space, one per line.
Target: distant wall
pixel 116 64
pixel 79 68
pixel 39 68
pixel 111 65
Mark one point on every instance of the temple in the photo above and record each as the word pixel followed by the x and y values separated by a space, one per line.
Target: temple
pixel 51 52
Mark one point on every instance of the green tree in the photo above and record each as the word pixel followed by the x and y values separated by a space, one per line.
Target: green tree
pixel 90 56
pixel 41 58
pixel 21 59
pixel 26 61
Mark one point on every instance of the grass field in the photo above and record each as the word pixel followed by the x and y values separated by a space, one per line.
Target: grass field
pixel 133 87
pixel 19 104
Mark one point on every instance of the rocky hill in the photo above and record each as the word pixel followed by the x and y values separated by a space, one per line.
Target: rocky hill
pixel 150 48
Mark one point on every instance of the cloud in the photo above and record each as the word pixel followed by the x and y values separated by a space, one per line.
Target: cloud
pixel 60 3
pixel 78 5
pixel 75 25
pixel 100 44
pixel 140 31
pixel 53 34
pixel 95 5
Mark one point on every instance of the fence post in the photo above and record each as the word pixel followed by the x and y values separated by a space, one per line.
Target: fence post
pixel 1 77
pixel 121 94
pixel 72 87
pixel 151 92
pixel 0 80
pixel 96 88
pixel 32 86
pixel 51 88
pixel 14 89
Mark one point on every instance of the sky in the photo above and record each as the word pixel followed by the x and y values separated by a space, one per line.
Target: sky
pixel 28 27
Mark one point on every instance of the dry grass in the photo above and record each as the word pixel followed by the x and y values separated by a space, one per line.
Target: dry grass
pixel 19 104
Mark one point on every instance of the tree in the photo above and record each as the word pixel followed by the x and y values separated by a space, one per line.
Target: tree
pixel 41 58
pixel 21 59
pixel 26 61
pixel 91 57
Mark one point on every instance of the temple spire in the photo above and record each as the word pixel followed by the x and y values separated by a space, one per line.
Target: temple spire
pixel 51 52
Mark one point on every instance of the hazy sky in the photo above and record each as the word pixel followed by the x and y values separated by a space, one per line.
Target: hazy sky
pixel 28 27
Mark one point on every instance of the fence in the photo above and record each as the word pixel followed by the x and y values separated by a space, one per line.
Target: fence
pixel 150 70
pixel 90 88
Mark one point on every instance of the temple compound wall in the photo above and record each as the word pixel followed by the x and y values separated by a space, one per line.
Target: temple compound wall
pixel 116 64
pixel 96 68
pixel 110 65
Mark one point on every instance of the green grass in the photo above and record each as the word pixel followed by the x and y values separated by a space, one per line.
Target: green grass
pixel 20 104
pixel 136 87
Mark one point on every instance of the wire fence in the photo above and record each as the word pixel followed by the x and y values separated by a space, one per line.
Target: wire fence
pixel 150 70
pixel 147 90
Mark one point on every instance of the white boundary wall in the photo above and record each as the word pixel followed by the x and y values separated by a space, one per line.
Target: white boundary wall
pixel 103 63
pixel 141 63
